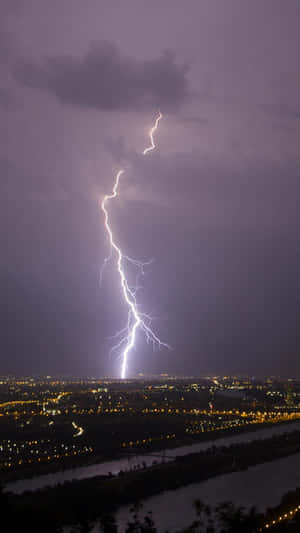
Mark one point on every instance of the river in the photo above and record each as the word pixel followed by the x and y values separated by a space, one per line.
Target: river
pixel 116 465
pixel 261 485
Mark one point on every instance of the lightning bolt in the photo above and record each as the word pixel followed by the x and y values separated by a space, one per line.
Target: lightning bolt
pixel 151 133
pixel 136 320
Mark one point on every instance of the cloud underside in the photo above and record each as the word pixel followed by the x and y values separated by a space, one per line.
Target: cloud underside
pixel 5 97
pixel 213 193
pixel 106 79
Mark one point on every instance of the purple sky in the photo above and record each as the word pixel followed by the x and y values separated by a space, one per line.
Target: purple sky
pixel 216 206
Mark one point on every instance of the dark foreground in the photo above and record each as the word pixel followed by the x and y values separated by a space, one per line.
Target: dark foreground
pixel 87 501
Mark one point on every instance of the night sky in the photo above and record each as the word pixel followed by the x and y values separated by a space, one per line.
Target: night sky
pixel 216 206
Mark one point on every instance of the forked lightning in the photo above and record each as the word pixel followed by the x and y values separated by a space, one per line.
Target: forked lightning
pixel 136 320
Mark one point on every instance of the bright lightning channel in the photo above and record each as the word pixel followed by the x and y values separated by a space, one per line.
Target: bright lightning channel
pixel 136 320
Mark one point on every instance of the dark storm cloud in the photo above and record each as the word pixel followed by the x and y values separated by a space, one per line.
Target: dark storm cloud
pixel 197 121
pixel 6 49
pixel 5 98
pixel 8 10
pixel 18 187
pixel 107 79
pixel 210 192
pixel 281 111
pixel 216 205
pixel 10 6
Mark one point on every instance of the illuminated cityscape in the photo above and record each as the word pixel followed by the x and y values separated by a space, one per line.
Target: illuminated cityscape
pixel 47 421
pixel 140 428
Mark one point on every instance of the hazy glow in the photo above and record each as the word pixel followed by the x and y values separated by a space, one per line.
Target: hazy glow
pixel 136 320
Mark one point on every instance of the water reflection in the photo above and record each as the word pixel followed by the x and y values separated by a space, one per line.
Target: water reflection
pixel 117 465
pixel 261 485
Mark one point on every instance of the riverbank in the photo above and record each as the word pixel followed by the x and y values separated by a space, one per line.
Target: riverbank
pixel 263 486
pixel 98 460
pixel 66 504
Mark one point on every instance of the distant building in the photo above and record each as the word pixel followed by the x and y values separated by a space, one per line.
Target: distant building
pixel 289 398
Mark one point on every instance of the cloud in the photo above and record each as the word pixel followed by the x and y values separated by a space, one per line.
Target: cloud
pixel 9 10
pixel 19 189
pixel 5 98
pixel 107 79
pixel 281 111
pixel 212 192
pixel 196 121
